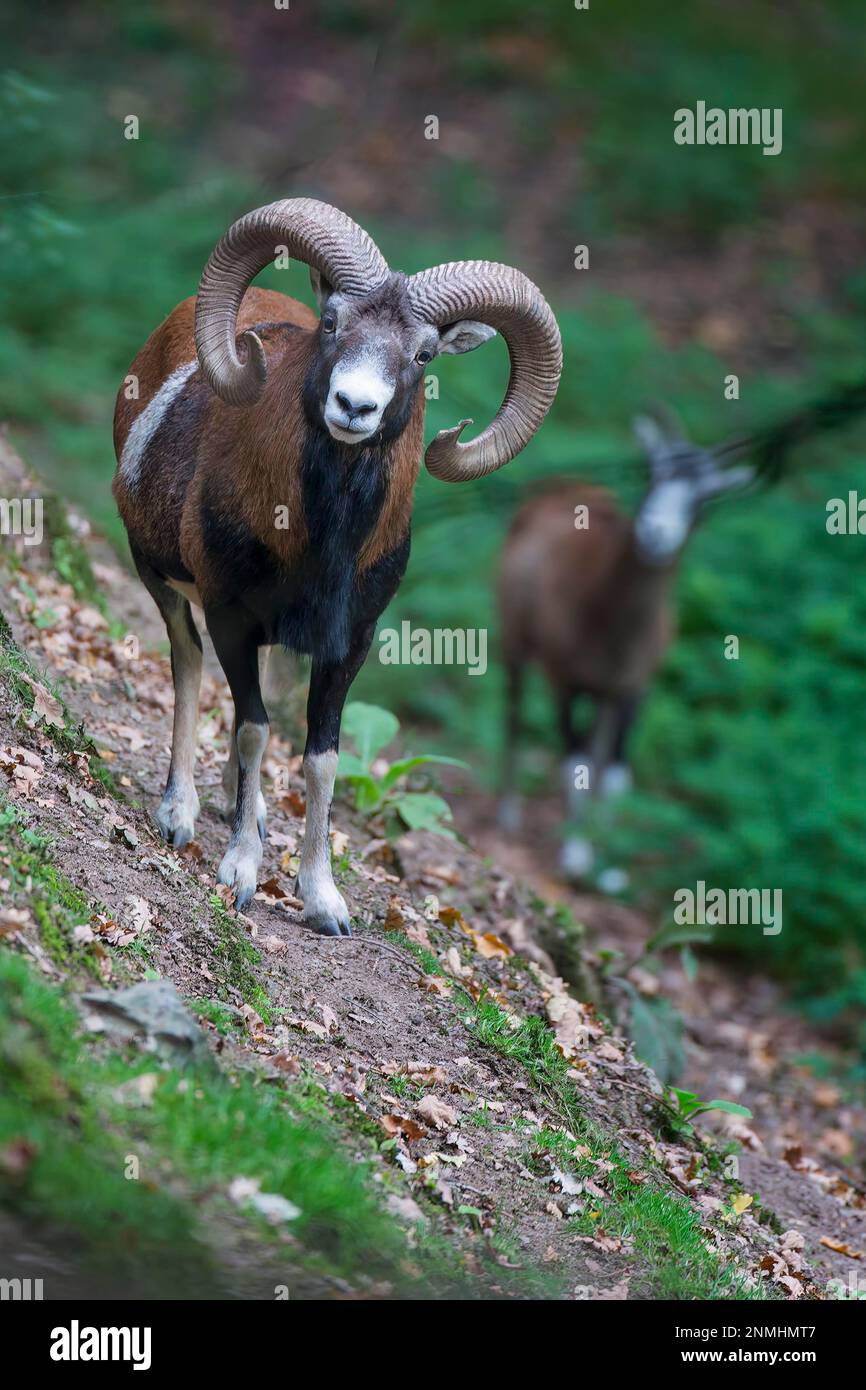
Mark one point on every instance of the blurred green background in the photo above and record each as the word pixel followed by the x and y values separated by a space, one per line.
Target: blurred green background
pixel 555 130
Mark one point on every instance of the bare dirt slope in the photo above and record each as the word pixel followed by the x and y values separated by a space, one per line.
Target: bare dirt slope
pixel 519 1145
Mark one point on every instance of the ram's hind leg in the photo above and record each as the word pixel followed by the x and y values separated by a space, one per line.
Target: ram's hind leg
pixel 179 806
pixel 324 907
pixel 237 645
pixel 230 771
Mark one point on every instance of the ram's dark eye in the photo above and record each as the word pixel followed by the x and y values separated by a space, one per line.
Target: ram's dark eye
pixel 423 357
pixel 329 323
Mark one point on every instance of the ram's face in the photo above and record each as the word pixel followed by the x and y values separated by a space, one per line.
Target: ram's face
pixel 371 358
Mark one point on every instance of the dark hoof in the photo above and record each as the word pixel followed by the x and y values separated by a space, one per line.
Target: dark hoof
pixel 244 898
pixel 329 926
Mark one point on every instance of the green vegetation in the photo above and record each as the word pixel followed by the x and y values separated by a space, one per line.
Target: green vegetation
pixel 224 1017
pixel 690 1107
pixel 663 1228
pixel 387 793
pixel 665 1231
pixel 58 907
pixel 237 956
pixel 613 80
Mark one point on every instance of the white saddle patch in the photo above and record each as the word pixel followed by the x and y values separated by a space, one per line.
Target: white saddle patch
pixel 148 422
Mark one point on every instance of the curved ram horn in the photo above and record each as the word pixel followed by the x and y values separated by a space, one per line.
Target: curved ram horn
pixel 505 299
pixel 314 232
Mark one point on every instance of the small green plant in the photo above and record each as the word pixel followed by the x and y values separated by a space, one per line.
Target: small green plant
pixel 382 788
pixel 689 1107
pixel 655 1025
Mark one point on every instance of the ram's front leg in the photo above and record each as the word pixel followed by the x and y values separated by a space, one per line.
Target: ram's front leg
pixel 237 646
pixel 325 909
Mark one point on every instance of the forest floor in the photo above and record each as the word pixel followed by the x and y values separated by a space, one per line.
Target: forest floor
pixel 426 1109
pixel 742 1038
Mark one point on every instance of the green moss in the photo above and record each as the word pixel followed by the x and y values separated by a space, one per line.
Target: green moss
pixel 665 1229
pixel 224 1017
pixel 666 1232
pixel 238 959
pixel 56 904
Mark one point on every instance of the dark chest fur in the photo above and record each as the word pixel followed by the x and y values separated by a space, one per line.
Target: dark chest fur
pixel 314 606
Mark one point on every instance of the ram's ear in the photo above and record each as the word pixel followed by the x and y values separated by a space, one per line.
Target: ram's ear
pixel 728 480
pixel 322 288
pixel 465 336
pixel 650 435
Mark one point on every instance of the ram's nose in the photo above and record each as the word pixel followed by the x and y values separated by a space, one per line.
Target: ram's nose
pixel 355 406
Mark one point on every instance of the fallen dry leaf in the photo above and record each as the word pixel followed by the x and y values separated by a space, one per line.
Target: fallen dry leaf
pixel 271 888
pixel 453 917
pixel 284 1061
pixel 12 919
pixel 841 1248
pixel 403 1126
pixel 45 706
pixel 436 1112
pixel 394 919
pixel 17 1157
pixel 489 945
pixel 435 985
pixel 422 1074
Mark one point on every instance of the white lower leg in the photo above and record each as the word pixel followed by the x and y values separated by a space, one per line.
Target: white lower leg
pixel 180 806
pixel 576 856
pixel 324 906
pixel 240 863
pixel 615 780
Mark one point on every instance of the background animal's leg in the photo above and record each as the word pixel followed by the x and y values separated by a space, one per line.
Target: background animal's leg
pixel 324 907
pixel 179 806
pixel 236 644
pixel 587 777
pixel 576 757
pixel 509 804
pixel 617 778
pixel 230 771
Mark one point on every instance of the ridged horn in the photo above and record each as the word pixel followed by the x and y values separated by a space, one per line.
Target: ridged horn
pixel 319 235
pixel 505 299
